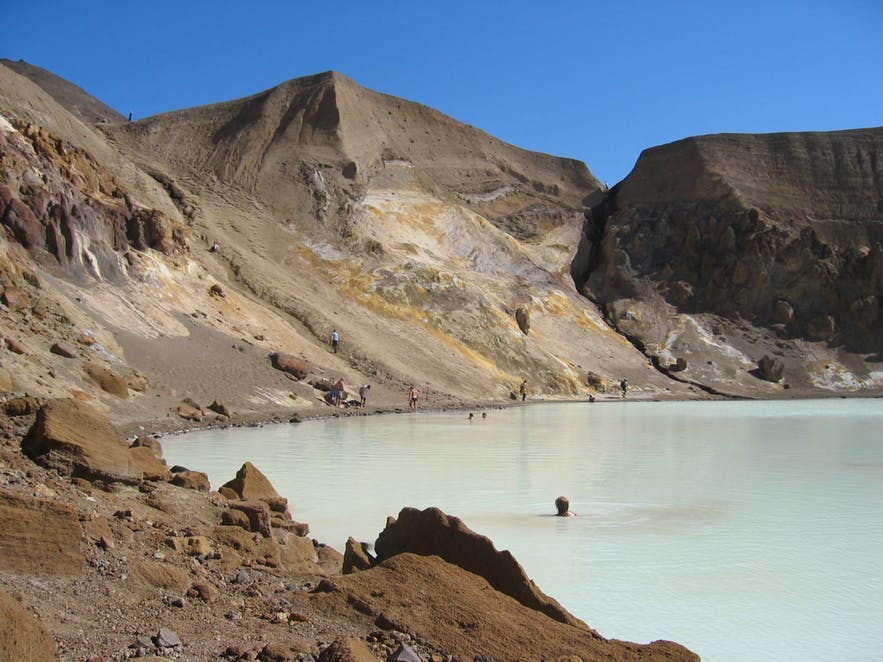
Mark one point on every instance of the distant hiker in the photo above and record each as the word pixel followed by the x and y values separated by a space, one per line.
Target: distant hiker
pixel 363 393
pixel 413 395
pixel 130 117
pixel 214 248
pixel 624 385
pixel 335 340
pixel 562 505
pixel 523 390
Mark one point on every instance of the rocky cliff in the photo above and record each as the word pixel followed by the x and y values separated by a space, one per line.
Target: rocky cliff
pixel 775 239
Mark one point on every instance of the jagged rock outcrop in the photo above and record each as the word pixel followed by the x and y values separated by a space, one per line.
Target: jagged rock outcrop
pixel 251 484
pixel 75 215
pixel 432 532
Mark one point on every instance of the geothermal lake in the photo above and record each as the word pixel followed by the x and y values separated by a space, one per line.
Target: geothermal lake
pixel 743 530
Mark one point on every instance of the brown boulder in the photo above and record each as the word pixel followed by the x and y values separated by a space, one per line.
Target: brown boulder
pixel 22 637
pixel 249 548
pixel 192 480
pixel 108 381
pixel 298 555
pixel 15 346
pixel 258 514
pixel 64 349
pixel 149 442
pixel 251 484
pixel 150 466
pixel 189 412
pixel 431 532
pixel 771 368
pixel 355 557
pixel 39 536
pixel 74 439
pixel 290 365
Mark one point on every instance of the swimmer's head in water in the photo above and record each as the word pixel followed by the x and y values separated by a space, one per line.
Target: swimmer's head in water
pixel 562 505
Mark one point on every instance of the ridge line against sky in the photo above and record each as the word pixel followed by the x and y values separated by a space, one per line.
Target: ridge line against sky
pixel 594 81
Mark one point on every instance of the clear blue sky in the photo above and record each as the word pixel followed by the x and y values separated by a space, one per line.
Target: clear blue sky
pixel 596 81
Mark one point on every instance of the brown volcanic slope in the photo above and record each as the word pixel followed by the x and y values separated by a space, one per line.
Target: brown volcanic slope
pixel 441 254
pixel 778 235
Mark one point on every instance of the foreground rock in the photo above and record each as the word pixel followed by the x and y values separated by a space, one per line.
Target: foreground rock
pixel 72 438
pixel 431 532
pixel 466 617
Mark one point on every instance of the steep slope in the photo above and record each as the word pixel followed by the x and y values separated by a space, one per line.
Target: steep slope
pixel 780 233
pixel 178 253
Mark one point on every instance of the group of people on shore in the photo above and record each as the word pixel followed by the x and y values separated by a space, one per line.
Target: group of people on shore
pixel 338 391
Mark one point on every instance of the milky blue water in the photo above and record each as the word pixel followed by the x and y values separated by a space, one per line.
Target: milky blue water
pixel 743 530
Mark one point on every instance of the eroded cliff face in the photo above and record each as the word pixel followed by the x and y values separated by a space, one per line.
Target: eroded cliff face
pixel 777 233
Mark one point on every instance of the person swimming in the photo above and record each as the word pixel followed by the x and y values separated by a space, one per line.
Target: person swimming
pixel 562 505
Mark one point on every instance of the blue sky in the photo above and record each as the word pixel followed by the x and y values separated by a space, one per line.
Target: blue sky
pixel 596 81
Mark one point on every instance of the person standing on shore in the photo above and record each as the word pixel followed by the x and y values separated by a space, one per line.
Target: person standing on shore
pixel 335 340
pixel 413 395
pixel 340 388
pixel 624 385
pixel 363 394
pixel 523 390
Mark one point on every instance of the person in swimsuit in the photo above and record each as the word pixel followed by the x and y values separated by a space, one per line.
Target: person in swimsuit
pixel 413 395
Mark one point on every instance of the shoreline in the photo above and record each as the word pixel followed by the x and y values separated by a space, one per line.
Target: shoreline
pixel 294 417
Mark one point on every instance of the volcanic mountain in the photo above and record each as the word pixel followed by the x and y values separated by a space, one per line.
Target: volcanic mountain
pixel 197 247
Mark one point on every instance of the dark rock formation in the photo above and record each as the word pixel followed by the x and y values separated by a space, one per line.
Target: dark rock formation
pixel 432 532
pixel 778 229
